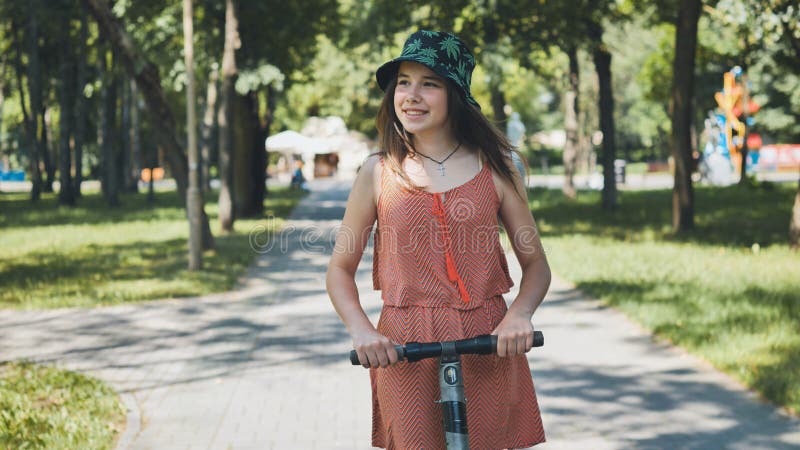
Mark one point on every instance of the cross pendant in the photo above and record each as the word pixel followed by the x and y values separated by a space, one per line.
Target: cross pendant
pixel 441 169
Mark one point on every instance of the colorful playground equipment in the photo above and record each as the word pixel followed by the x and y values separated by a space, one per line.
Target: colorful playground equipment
pixel 726 133
pixel 735 110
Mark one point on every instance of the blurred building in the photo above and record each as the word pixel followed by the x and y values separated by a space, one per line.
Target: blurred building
pixel 326 147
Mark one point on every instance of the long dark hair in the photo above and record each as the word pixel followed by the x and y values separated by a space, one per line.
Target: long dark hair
pixel 467 123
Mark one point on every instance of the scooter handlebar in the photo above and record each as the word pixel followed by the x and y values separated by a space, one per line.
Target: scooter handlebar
pixel 479 345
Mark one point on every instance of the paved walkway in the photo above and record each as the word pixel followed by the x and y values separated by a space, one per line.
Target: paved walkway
pixel 264 367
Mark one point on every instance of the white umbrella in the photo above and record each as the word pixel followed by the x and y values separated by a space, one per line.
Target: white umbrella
pixel 293 142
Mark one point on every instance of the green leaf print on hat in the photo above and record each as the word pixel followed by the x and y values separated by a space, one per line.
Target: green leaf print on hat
pixel 428 56
pixel 450 45
pixel 412 47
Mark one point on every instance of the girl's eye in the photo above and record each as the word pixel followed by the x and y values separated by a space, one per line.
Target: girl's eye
pixel 403 82
pixel 431 84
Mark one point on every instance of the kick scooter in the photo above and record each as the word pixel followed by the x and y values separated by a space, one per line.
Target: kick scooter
pixel 451 385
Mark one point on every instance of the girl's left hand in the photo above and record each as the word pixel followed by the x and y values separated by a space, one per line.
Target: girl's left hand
pixel 514 335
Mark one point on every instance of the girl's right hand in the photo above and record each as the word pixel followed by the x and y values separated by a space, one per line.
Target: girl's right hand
pixel 374 349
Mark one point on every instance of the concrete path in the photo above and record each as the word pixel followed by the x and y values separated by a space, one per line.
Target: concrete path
pixel 264 367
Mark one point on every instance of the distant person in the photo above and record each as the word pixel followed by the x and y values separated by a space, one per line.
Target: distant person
pixel 298 179
pixel 442 178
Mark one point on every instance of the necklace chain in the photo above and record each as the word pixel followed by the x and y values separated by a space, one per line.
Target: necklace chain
pixel 441 163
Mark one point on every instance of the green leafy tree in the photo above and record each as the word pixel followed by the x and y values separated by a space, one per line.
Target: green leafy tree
pixel 149 81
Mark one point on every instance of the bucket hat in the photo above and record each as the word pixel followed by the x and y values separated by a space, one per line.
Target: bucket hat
pixel 442 52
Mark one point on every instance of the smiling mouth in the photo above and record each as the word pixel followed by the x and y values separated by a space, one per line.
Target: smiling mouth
pixel 414 112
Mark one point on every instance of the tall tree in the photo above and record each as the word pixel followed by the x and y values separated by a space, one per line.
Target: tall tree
pixel 66 94
pixel 786 30
pixel 568 25
pixel 681 113
pixel 572 143
pixel 226 115
pixel 194 199
pixel 35 128
pixel 261 70
pixel 135 137
pixel 149 82
pixel 127 178
pixel 207 129
pixel 109 177
pixel 778 19
pixel 602 63
pixel 81 102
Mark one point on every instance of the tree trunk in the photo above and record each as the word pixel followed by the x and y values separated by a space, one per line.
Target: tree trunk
pixel 571 124
pixel 208 128
pixel 151 190
pixel 108 150
pixel 794 224
pixel 259 169
pixel 149 82
pixel 194 200
pixel 251 164
pixel 681 114
pixel 80 103
pixel 602 65
pixel 272 100
pixel 244 131
pixel 225 118
pixel 117 134
pixel 127 180
pixel 498 99
pixel 745 104
pixel 47 145
pixel 35 96
pixel 493 66
pixel 67 102
pixel 135 138
pixel 36 87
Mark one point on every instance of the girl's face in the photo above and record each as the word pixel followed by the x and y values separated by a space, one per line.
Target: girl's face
pixel 420 99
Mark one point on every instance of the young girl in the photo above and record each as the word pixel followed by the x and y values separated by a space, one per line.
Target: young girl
pixel 436 189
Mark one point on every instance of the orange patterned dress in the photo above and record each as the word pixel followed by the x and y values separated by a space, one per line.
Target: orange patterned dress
pixel 442 272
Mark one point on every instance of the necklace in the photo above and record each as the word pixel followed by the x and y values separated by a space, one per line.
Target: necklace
pixel 441 163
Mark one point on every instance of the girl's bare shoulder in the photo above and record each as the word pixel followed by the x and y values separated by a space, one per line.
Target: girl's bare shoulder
pixel 502 185
pixel 369 174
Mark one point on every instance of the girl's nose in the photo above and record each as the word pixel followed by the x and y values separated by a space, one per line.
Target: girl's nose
pixel 413 94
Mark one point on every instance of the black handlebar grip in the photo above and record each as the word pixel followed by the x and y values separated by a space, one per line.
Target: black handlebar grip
pixel 398 348
pixel 538 339
pixel 479 345
pixel 487 344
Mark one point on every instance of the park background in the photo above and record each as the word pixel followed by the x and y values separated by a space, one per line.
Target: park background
pixel 95 104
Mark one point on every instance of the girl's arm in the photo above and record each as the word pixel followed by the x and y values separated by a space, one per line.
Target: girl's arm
pixel 515 331
pixel 374 349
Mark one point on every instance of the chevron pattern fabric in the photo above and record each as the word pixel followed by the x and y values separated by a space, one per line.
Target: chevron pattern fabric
pixel 413 241
pixel 502 411
pixel 442 271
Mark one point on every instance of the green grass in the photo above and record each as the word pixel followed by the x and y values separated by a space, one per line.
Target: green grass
pixel 55 256
pixel 47 408
pixel 729 291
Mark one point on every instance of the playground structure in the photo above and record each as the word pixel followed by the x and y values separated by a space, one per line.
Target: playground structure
pixel 727 130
